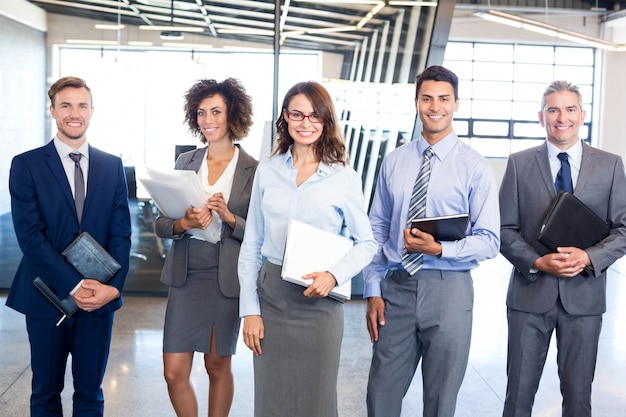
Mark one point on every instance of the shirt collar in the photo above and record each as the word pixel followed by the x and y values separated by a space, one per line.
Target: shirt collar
pixel 441 148
pixel 574 152
pixel 64 150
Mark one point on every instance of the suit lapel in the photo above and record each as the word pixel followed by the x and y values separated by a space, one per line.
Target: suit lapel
pixel 58 172
pixel 93 176
pixel 195 161
pixel 543 165
pixel 241 178
pixel 586 167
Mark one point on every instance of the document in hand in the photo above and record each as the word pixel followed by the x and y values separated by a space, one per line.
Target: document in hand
pixel 443 228
pixel 570 222
pixel 175 191
pixel 310 249
pixel 90 260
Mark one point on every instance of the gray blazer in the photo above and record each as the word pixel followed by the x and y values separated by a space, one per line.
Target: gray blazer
pixel 175 268
pixel 526 193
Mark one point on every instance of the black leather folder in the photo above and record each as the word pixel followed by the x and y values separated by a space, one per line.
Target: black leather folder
pixel 569 222
pixel 443 228
pixel 67 306
pixel 91 261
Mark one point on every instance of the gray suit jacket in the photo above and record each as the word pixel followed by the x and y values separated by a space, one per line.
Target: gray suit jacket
pixel 175 268
pixel 526 193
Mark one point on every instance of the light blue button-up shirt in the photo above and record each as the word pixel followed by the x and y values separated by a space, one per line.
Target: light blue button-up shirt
pixel 461 181
pixel 330 199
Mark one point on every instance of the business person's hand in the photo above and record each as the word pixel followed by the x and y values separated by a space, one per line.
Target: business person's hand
pixel 322 284
pixel 217 203
pixel 194 218
pixel 566 262
pixel 253 332
pixel 375 316
pixel 100 295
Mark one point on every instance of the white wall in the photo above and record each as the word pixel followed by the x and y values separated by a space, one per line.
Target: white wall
pixel 612 109
pixel 22 82
pixel 25 13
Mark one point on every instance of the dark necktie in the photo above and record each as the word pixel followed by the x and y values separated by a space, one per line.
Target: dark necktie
pixel 563 181
pixel 412 262
pixel 79 185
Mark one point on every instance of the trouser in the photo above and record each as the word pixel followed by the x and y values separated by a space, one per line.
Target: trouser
pixel 428 317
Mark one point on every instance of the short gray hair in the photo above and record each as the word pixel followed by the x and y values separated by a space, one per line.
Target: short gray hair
pixel 557 86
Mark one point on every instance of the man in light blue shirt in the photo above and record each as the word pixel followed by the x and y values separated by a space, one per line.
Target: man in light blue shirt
pixel 427 314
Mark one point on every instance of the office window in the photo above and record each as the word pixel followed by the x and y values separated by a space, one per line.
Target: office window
pixel 138 94
pixel 500 88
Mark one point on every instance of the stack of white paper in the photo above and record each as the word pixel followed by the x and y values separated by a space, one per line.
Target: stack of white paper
pixel 174 191
pixel 310 249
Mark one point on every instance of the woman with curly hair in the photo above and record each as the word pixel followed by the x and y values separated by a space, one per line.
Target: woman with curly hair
pixel 296 333
pixel 202 312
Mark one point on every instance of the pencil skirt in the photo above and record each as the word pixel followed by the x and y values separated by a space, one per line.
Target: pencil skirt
pixel 296 374
pixel 199 306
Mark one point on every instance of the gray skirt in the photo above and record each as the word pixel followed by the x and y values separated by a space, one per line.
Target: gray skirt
pixel 199 306
pixel 297 373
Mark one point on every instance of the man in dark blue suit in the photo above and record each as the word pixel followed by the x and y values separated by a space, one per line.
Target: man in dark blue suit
pixel 42 186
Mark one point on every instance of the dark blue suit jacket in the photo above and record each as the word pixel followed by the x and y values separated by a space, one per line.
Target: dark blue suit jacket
pixel 45 220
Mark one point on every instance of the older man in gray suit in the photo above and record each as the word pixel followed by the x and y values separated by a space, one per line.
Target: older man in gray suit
pixel 563 290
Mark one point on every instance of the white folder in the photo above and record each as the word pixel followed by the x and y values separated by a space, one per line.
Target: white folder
pixel 175 191
pixel 310 249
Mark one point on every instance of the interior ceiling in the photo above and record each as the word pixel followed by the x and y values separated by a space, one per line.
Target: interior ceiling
pixel 321 25
pixel 324 25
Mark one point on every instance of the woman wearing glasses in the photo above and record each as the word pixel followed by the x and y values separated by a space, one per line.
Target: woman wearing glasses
pixel 294 332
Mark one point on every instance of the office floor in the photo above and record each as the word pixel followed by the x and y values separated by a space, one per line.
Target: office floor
pixel 134 386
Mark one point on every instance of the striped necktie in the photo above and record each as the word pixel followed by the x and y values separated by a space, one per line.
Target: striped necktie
pixel 412 262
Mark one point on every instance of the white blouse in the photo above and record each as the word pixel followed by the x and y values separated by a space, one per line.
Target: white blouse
pixel 224 185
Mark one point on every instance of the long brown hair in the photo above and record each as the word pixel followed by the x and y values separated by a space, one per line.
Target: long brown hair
pixel 330 147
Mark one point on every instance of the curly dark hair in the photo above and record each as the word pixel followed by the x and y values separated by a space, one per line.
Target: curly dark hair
pixel 238 106
pixel 330 147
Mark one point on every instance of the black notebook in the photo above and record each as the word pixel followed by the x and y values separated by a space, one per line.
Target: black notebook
pixel 570 222
pixel 443 228
pixel 91 261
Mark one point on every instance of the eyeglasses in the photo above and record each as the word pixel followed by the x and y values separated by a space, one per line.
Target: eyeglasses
pixel 296 116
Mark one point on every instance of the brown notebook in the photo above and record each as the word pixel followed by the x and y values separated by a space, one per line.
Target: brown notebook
pixel 570 222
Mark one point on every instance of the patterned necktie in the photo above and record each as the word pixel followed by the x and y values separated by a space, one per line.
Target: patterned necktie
pixel 79 185
pixel 412 262
pixel 563 180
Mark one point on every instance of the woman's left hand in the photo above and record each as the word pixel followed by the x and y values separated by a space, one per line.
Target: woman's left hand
pixel 322 285
pixel 217 203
